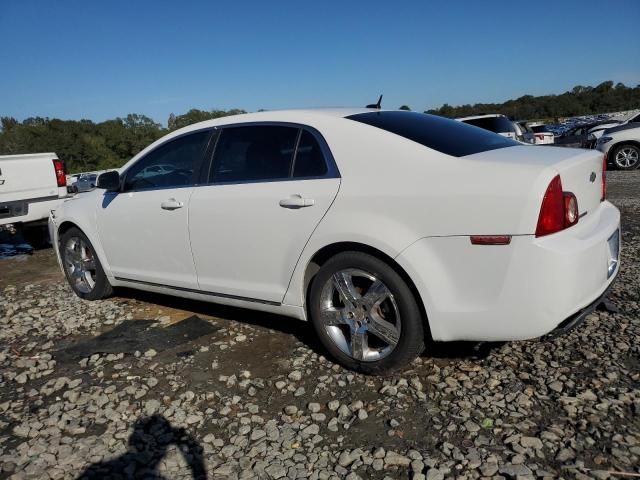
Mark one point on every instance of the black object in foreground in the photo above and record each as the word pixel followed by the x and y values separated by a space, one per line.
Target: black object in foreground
pixel 148 444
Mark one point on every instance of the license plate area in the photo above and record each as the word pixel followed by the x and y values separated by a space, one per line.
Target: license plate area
pixel 613 242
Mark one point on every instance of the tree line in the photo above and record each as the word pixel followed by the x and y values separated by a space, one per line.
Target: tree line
pixel 580 100
pixel 85 145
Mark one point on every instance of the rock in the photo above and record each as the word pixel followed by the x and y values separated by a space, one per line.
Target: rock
pixel 150 353
pixel 556 386
pixel 345 459
pixel 435 474
pixel 471 427
pixel 531 442
pixel 290 409
pixel 295 376
pixel 312 429
pixel 395 459
pixel 565 454
pixel 151 406
pixel 489 469
pixel 275 471
pixel 314 407
pixel 515 470
pixel 191 419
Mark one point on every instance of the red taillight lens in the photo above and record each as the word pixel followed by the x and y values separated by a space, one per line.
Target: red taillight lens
pixel 559 209
pixel 551 218
pixel 604 179
pixel 61 177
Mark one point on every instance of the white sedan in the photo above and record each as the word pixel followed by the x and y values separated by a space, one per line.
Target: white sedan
pixel 385 229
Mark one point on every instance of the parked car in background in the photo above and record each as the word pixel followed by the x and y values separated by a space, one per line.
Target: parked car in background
pixel 30 187
pixel 541 134
pixel 621 146
pixel 574 137
pixel 597 131
pixel 85 182
pixel 524 133
pixel 324 215
pixel 495 123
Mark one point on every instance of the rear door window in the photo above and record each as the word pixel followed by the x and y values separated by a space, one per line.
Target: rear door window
pixel 253 153
pixel 438 133
pixel 309 161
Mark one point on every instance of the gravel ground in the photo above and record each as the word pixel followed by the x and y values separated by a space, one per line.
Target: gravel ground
pixel 146 384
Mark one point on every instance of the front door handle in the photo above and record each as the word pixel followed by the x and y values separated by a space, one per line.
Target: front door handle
pixel 171 204
pixel 297 201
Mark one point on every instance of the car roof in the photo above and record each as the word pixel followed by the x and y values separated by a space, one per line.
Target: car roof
pixel 302 115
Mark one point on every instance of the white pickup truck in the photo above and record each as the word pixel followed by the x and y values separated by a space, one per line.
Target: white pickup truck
pixel 30 187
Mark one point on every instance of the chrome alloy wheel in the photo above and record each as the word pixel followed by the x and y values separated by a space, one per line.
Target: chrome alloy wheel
pixel 626 157
pixel 360 315
pixel 80 264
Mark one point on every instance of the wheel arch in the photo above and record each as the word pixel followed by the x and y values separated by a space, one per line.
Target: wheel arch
pixel 328 251
pixel 65 226
pixel 612 150
pixel 69 223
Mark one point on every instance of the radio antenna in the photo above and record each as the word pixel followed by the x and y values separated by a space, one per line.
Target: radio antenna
pixel 378 105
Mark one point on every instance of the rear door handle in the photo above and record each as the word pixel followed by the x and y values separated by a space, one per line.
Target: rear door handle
pixel 297 201
pixel 171 204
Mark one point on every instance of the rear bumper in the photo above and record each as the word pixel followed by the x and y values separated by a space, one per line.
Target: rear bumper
pixel 513 292
pixel 579 317
pixel 26 211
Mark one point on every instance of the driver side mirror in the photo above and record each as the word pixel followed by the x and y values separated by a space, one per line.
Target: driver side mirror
pixel 110 181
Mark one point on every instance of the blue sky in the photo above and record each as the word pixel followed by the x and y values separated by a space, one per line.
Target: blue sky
pixel 102 59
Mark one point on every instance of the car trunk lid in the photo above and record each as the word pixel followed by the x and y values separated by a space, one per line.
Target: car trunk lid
pixel 580 172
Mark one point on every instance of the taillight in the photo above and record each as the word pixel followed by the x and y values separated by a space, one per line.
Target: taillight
pixel 559 209
pixel 61 177
pixel 603 196
pixel 570 209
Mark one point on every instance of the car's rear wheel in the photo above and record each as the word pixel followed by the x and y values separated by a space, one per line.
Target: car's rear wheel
pixel 365 314
pixel 626 157
pixel 82 266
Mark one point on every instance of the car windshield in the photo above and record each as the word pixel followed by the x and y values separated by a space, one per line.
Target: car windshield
pixel 438 133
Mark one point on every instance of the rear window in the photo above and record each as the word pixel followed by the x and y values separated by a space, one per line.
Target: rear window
pixel 540 129
pixel 493 124
pixel 438 133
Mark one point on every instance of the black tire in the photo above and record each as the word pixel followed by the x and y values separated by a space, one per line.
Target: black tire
pixel 411 334
pixel 101 287
pixel 621 164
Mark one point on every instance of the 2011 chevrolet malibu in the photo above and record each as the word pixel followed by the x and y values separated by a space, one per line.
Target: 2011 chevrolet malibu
pixel 385 229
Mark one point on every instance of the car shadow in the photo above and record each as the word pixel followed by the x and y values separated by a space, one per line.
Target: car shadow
pixel 148 444
pixel 302 331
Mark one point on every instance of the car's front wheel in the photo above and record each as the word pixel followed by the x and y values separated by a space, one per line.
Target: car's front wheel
pixel 365 314
pixel 82 266
pixel 626 157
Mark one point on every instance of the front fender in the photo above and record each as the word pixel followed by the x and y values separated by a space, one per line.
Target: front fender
pixel 80 212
